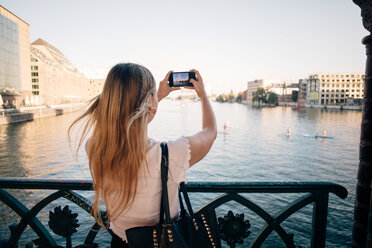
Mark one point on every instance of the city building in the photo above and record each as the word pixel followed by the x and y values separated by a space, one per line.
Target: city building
pixel 301 99
pixel 283 88
pixel 95 87
pixel 15 74
pixel 333 89
pixel 54 79
pixel 252 87
pixel 287 90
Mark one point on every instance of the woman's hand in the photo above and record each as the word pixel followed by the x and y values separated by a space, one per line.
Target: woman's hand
pixel 164 88
pixel 198 85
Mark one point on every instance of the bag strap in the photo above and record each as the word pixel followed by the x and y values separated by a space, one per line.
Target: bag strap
pixel 183 189
pixel 164 205
pixel 180 200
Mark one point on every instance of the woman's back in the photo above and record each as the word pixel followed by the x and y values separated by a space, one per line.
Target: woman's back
pixel 144 211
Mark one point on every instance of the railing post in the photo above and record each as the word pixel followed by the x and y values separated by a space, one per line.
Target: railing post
pixel 362 206
pixel 320 211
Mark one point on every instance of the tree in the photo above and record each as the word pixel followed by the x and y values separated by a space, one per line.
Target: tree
pixel 231 96
pixel 239 98
pixel 221 98
pixel 273 98
pixel 260 96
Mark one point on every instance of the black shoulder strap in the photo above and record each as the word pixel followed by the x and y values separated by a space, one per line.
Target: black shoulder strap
pixel 186 198
pixel 164 205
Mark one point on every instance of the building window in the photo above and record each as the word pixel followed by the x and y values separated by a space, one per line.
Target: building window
pixel 35 80
pixel 34 67
pixel 35 74
pixel 35 86
pixel 35 92
pixel 33 60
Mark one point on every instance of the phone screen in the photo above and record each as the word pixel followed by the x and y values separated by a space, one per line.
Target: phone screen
pixel 180 78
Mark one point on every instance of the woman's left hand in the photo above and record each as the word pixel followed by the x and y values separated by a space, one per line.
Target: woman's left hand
pixel 164 88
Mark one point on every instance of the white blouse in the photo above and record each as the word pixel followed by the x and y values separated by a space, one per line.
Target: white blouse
pixel 145 210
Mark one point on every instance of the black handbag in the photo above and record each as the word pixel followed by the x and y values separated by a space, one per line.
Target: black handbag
pixel 189 230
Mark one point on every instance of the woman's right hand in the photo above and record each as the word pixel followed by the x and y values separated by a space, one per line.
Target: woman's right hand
pixel 198 84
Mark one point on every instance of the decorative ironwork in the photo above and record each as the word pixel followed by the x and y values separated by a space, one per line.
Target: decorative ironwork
pixel 315 193
pixel 233 228
pixel 64 223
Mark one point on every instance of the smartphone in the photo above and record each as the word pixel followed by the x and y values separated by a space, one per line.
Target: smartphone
pixel 181 79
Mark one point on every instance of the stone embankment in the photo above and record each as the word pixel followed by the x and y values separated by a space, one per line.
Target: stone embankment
pixel 340 107
pixel 31 113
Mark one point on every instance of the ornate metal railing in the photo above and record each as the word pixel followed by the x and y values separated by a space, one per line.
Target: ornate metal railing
pixel 232 228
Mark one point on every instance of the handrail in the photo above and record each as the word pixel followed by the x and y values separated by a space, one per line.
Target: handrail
pixel 193 186
pixel 316 193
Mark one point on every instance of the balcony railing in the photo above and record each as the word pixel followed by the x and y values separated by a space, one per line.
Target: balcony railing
pixel 64 223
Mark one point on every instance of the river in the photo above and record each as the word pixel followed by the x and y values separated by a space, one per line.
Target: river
pixel 254 149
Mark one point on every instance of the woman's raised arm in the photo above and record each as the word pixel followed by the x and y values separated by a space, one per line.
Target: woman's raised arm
pixel 201 142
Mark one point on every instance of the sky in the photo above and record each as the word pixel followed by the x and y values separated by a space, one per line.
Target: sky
pixel 229 42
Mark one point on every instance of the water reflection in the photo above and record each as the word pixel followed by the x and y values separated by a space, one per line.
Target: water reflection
pixel 12 152
pixel 39 149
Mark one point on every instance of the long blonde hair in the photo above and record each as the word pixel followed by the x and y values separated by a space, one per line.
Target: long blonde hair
pixel 117 148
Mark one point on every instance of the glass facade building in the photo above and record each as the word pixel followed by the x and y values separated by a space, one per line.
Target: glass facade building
pixel 10 73
pixel 15 71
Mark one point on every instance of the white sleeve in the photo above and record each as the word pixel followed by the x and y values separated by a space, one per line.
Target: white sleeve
pixel 179 159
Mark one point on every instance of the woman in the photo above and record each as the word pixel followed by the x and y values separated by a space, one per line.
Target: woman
pixel 124 162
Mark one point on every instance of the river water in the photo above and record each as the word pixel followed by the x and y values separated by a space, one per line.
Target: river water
pixel 255 149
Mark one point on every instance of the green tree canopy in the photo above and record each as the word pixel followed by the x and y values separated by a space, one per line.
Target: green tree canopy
pixel 260 96
pixel 272 98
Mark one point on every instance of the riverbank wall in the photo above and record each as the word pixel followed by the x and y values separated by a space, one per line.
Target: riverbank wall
pixel 31 113
pixel 340 107
pixel 295 105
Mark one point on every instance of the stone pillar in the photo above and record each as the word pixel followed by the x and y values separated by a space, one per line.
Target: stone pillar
pixel 362 227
